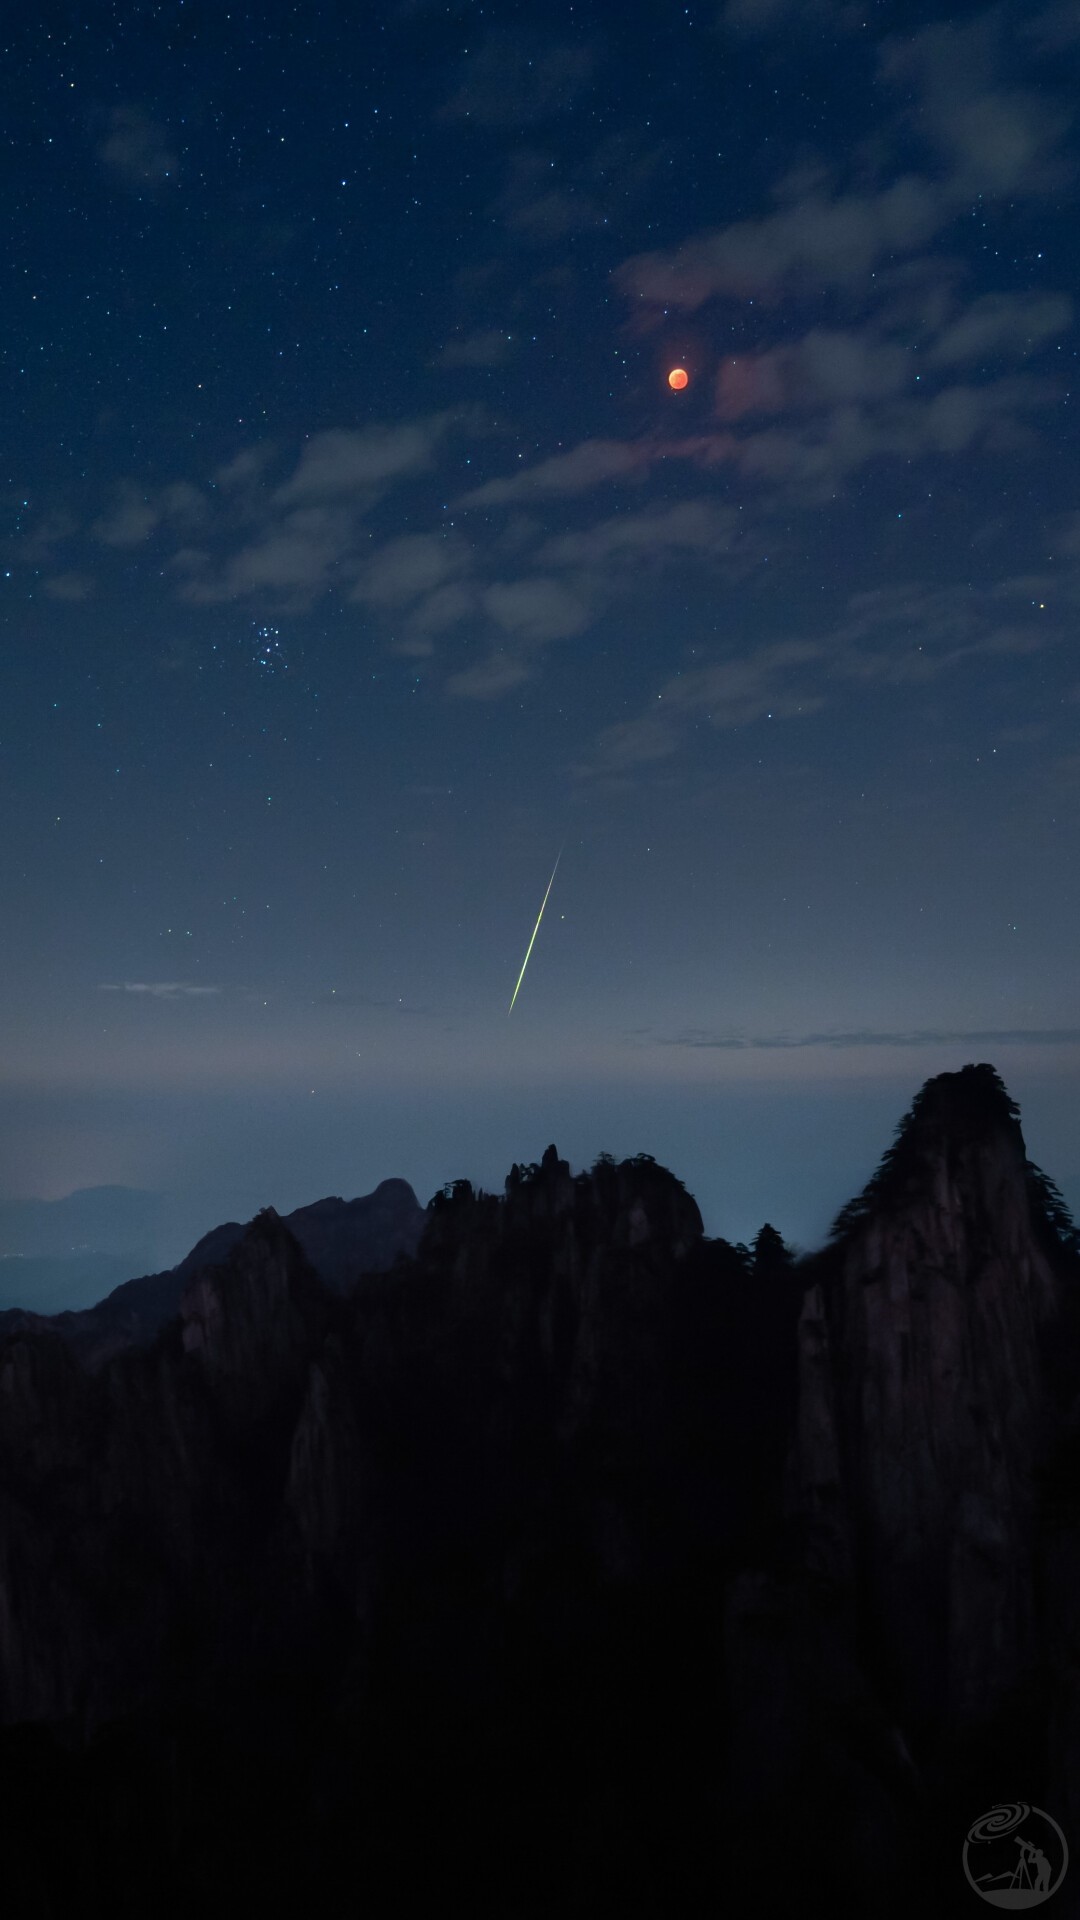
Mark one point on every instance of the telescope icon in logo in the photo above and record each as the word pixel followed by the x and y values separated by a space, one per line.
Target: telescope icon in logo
pixel 1015 1856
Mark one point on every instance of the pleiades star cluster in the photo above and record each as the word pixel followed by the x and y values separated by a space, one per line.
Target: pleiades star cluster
pixel 435 435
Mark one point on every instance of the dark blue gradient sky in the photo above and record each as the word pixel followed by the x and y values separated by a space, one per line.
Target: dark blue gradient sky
pixel 357 556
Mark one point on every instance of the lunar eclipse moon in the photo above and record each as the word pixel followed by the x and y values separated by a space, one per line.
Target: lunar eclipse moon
pixel 353 555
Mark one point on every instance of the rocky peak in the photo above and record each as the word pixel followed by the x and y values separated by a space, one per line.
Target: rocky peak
pixel 626 1203
pixel 958 1122
pixel 509 1526
pixel 252 1320
pixel 340 1238
pixel 923 1404
pixel 344 1238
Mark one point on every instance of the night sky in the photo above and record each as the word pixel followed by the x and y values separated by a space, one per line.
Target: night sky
pixel 358 557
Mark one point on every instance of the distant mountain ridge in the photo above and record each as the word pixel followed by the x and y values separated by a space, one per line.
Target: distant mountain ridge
pixel 342 1238
pixel 572 1564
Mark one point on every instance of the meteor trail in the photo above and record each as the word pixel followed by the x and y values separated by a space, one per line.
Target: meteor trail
pixel 535 931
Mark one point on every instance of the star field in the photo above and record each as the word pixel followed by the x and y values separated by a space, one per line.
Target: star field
pixel 357 553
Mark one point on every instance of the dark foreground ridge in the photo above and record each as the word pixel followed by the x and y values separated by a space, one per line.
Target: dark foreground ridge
pixel 572 1565
pixel 341 1238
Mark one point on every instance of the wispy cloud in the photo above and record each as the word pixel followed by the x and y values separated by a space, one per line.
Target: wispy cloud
pixel 74 587
pixel 407 568
pixel 159 989
pixel 536 609
pixel 55 529
pixel 551 193
pixel 542 202
pixel 905 635
pixel 820 239
pixel 869 1037
pixel 516 79
pixel 650 537
pixel 584 467
pixel 885 357
pixel 760 18
pixel 1053 29
pixel 728 693
pixel 996 138
pixel 923 374
pixel 136 513
pixel 348 1000
pixel 137 151
pixel 499 673
pixel 1001 323
pixel 484 347
pixel 982 139
pixel 287 542
pixel 344 465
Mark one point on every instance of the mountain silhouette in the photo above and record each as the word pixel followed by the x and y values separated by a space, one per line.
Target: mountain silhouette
pixel 342 1238
pixel 535 1554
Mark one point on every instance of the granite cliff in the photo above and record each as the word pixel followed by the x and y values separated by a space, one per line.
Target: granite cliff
pixel 909 1654
pixel 341 1238
pixel 575 1564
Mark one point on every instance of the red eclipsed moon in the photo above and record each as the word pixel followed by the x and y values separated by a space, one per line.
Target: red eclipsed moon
pixel 678 378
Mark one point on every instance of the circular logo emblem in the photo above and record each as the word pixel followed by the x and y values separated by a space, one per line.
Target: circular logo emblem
pixel 1015 1856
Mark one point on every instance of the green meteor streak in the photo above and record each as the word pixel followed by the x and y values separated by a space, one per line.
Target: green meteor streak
pixel 535 931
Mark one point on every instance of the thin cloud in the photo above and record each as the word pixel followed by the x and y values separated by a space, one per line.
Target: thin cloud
pixel 760 18
pixel 138 513
pixel 290 563
pixel 838 402
pixel 536 609
pixel 446 607
pixel 517 79
pixel 795 419
pixel 826 368
pixel 550 194
pixel 649 537
pixel 73 587
pixel 530 613
pixel 246 469
pixel 158 989
pixel 485 347
pixel 904 635
pixel 410 567
pixel 491 678
pixel 817 241
pixel 350 463
pixel 997 140
pixel 53 530
pixel 137 151
pixel 1002 323
pixel 586 466
pixel 349 1001
pixel 1055 29
pixel 868 1037
pixel 132 520
pixel 984 139
pixel 809 460
pixel 726 693
pixel 539 205
pixel 812 412
pixel 293 540
pixel 910 632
